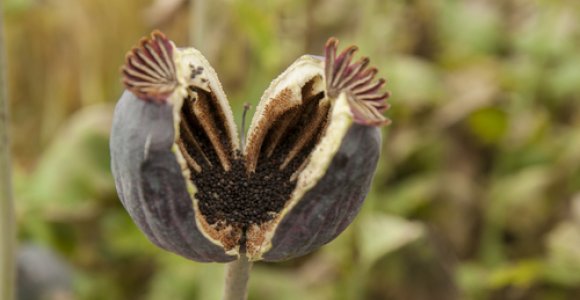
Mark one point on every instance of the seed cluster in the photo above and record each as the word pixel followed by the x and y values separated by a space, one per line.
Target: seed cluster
pixel 237 197
pixel 240 198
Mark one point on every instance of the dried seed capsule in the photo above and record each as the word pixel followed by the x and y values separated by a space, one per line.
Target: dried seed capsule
pixel 299 181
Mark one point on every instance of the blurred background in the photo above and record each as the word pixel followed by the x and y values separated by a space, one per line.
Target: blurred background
pixel 477 194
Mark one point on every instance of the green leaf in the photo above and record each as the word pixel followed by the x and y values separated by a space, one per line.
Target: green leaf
pixel 489 124
pixel 75 167
pixel 522 274
pixel 564 253
pixel 381 234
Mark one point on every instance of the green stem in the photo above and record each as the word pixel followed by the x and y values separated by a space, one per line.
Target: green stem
pixel 237 276
pixel 7 226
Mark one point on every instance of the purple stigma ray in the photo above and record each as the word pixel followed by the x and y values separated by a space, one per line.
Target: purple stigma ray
pixel 356 80
pixel 149 71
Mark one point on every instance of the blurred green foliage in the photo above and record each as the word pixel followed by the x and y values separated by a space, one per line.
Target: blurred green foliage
pixel 476 195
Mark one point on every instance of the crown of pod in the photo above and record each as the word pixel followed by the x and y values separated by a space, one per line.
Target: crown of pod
pixel 297 182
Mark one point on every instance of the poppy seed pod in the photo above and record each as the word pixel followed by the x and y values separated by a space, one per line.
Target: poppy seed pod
pixel 298 180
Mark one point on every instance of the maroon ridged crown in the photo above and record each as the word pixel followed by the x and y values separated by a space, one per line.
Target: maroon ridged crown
pixel 366 100
pixel 149 70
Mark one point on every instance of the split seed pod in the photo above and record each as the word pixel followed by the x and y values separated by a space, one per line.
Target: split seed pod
pixel 299 181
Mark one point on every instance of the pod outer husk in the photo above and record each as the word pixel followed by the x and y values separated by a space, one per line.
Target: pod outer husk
pixel 150 182
pixel 330 206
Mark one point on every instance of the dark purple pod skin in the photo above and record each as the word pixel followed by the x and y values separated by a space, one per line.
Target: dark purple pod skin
pixel 149 180
pixel 330 206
